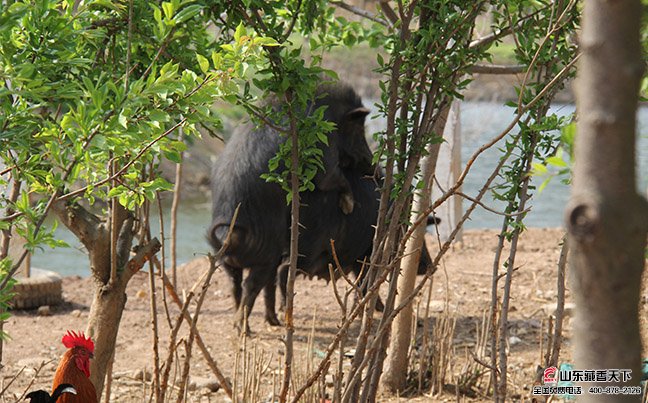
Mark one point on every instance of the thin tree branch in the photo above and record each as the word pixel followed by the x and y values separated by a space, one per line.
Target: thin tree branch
pixel 292 22
pixel 492 210
pixel 6 233
pixel 389 11
pixel 495 36
pixel 361 12
pixel 143 254
pixel 192 330
pixel 497 69
pixel 560 304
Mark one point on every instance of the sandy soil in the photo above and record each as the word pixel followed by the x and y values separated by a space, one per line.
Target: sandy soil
pixel 463 280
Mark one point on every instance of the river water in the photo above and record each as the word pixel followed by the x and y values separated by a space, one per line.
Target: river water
pixel 480 122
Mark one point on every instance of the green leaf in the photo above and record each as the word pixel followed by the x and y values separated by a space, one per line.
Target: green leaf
pixel 539 169
pixel 265 41
pixel 217 59
pixel 123 120
pixel 173 156
pixel 568 134
pixel 168 9
pixel 239 33
pixel 158 115
pixel 557 162
pixel 67 122
pixel 116 191
pixel 187 13
pixel 203 62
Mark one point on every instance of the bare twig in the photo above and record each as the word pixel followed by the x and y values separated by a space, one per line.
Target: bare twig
pixel 174 222
pixel 389 12
pixel 128 45
pixel 31 382
pixel 492 210
pixel 114 230
pixel 293 21
pixel 156 338
pixel 560 304
pixel 201 344
pixel 361 12
pixel 497 69
pixel 13 379
pixel 173 336
pixel 7 170
pixel 192 330
pixel 495 36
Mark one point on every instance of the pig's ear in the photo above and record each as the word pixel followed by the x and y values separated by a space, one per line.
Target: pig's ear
pixel 357 113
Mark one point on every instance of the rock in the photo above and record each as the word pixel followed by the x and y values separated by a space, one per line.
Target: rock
pixel 44 310
pixel 514 340
pixel 76 313
pixel 141 294
pixel 142 375
pixel 198 383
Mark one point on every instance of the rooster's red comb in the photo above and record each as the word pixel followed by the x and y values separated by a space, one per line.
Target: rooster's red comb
pixel 71 339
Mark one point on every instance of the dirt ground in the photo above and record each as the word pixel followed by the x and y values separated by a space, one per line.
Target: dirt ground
pixel 463 280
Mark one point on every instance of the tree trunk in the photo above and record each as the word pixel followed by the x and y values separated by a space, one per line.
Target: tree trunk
pixel 606 218
pixel 103 324
pixel 110 290
pixel 395 376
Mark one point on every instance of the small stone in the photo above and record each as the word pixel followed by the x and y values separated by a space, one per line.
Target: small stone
pixel 141 294
pixel 514 340
pixel 198 383
pixel 44 310
pixel 142 375
pixel 76 313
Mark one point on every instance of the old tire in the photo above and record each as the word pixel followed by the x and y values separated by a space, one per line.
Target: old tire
pixel 43 287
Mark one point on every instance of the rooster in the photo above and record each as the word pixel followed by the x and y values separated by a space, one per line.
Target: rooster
pixel 74 369
pixel 41 396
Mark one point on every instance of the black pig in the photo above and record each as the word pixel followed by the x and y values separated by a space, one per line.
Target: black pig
pixel 353 233
pixel 260 237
